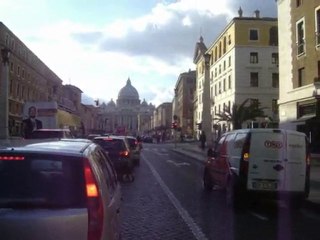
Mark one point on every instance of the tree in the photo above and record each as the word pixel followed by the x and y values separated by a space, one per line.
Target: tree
pixel 238 114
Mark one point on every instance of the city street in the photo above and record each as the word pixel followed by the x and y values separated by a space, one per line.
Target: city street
pixel 167 201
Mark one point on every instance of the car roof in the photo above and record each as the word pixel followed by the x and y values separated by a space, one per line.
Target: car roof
pixel 52 130
pixel 110 137
pixel 63 146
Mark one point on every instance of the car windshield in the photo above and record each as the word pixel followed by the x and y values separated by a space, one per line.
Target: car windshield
pixel 42 182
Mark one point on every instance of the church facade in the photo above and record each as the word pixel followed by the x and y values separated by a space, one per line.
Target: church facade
pixel 128 115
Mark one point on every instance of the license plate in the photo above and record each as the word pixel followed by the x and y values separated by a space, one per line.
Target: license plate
pixel 264 185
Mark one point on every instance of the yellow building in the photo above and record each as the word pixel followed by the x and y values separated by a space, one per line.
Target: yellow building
pixel 241 63
pixel 299 54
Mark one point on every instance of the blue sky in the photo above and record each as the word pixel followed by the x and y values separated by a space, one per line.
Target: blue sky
pixel 96 45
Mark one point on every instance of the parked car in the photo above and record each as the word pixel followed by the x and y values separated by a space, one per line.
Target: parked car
pixel 135 148
pixel 250 163
pixel 118 150
pixel 63 189
pixel 51 133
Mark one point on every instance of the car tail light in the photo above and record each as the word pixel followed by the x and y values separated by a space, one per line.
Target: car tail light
pixel 11 158
pixel 94 203
pixel 124 153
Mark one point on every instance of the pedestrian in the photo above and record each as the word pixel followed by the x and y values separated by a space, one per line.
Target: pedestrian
pixel 31 123
pixel 203 140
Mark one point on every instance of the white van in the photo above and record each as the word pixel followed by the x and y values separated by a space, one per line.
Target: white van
pixel 270 162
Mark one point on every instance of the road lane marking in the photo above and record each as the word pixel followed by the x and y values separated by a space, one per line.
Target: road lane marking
pixel 195 229
pixel 261 217
pixel 178 164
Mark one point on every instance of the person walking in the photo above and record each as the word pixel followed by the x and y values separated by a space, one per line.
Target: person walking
pixel 203 140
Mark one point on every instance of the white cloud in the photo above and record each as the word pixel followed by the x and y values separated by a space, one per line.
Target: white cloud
pixel 152 49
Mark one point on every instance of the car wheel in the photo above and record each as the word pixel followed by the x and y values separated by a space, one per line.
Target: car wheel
pixel 207 180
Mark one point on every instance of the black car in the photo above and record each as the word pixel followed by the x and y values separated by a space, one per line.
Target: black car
pixel 118 150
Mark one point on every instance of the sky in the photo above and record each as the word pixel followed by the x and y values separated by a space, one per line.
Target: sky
pixel 97 45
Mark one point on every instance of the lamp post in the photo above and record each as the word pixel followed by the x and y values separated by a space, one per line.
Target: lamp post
pixel 206 101
pixel 4 97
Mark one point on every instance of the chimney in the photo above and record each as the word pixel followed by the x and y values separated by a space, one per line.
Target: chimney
pixel 257 13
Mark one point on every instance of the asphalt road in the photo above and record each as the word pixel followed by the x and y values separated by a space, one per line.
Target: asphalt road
pixel 167 201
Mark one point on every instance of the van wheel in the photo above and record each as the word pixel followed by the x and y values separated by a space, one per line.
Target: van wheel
pixel 207 180
pixel 296 202
pixel 234 198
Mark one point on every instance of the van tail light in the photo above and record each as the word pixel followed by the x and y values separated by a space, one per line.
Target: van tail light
pixel 94 203
pixel 308 159
pixel 124 153
pixel 244 164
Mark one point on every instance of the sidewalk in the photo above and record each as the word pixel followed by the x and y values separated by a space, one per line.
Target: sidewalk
pixel 193 150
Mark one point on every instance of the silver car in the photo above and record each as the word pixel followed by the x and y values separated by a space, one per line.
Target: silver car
pixel 63 189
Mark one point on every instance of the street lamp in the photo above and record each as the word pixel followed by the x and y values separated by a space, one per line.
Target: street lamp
pixel 4 98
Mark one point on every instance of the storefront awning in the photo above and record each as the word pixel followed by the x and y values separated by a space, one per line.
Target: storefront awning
pixel 305 118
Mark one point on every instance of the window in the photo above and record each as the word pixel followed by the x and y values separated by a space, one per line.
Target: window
pixel 224 45
pixel 229 63
pixel 317 24
pixel 300 37
pixel 229 82
pixel 275 80
pixel 224 65
pixel 253 35
pixel 254 79
pixel 11 67
pixel 215 89
pixel 298 3
pixel 274 106
pixel 273 36
pixel 224 85
pixel 275 58
pixel 301 77
pixel 253 57
pixel 219 87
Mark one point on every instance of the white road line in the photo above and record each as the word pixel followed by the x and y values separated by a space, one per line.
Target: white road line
pixel 195 229
pixel 178 164
pixel 261 217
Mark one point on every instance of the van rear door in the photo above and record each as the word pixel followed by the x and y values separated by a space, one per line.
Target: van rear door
pixel 295 162
pixel 267 165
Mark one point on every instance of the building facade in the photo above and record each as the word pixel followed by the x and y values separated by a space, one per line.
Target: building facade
pixel 128 115
pixel 30 80
pixel 242 63
pixel 299 54
pixel 183 102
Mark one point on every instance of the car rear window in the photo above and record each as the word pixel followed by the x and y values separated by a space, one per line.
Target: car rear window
pixel 111 145
pixel 132 142
pixel 42 182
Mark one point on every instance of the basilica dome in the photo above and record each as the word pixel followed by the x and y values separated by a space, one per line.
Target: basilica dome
pixel 128 92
